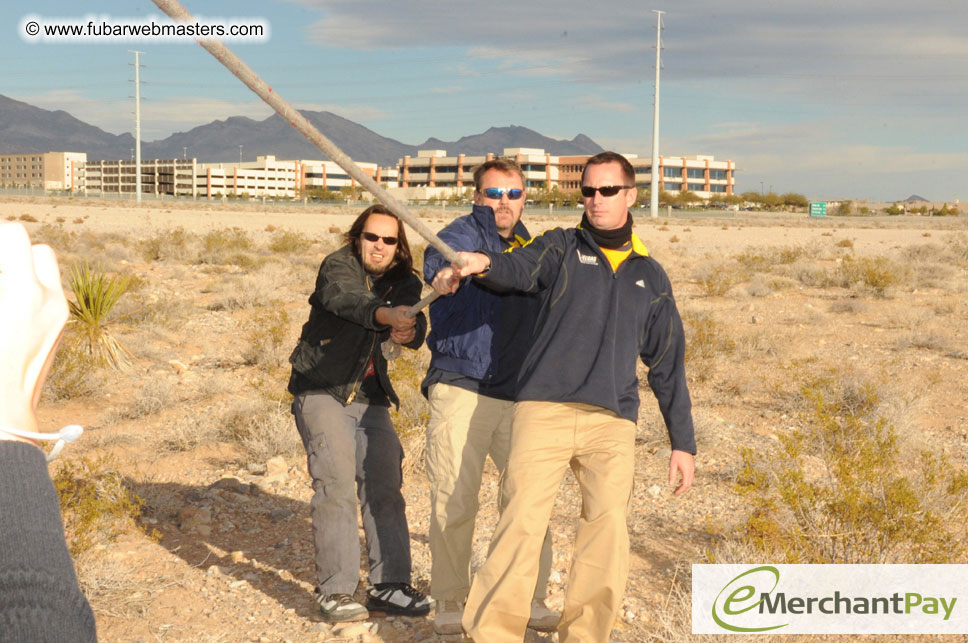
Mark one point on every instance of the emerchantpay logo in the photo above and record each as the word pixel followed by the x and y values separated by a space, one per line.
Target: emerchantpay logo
pixel 830 599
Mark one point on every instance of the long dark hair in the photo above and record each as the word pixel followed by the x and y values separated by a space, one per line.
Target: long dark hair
pixel 402 258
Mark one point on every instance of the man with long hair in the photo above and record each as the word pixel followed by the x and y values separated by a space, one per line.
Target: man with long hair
pixel 342 395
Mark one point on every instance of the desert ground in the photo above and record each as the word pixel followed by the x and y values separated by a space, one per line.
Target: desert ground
pixel 778 308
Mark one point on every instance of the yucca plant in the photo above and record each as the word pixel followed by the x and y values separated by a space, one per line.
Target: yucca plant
pixel 95 294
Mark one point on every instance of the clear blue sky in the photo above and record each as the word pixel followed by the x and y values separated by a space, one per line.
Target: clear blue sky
pixel 856 99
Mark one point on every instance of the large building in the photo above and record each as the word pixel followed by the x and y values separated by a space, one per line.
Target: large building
pixel 264 177
pixel 267 176
pixel 169 177
pixel 50 170
pixel 703 175
pixel 434 169
pixel 433 173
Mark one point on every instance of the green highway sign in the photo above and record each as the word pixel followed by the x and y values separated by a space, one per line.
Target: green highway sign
pixel 818 209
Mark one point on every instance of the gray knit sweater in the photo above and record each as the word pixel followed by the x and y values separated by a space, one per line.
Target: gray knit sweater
pixel 39 596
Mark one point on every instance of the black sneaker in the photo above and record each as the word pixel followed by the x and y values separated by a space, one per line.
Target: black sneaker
pixel 339 608
pixel 397 598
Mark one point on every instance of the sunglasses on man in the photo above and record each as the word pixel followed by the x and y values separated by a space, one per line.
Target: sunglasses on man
pixel 372 238
pixel 607 190
pixel 495 193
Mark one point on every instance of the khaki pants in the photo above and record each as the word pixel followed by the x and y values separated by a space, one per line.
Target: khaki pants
pixel 464 429
pixel 546 438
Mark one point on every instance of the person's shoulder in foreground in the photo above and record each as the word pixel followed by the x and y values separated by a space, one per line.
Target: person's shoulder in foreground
pixel 39 595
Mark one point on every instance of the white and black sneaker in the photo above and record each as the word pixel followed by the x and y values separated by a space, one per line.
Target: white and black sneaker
pixel 339 608
pixel 397 598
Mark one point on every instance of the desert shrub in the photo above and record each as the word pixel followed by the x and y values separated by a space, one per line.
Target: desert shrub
pixel 839 489
pixel 73 373
pixel 764 260
pixel 705 339
pixel 189 432
pixel 229 246
pixel 153 397
pixel 407 372
pixel 716 280
pixel 933 341
pixel 56 237
pixel 95 503
pixel 845 243
pixel 263 428
pixel 267 334
pixel 410 420
pixel 875 274
pixel 227 239
pixel 758 287
pixel 848 306
pixel 289 242
pixel 149 310
pixel 95 295
pixel 29 218
pixel 168 245
pixel 250 291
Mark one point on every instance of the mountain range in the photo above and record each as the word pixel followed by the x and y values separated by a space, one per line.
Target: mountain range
pixel 26 128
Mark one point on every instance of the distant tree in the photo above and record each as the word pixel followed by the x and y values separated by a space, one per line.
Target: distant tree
pixel 350 192
pixel 687 198
pixel 794 200
pixel 733 199
pixel 845 209
pixel 752 197
pixel 894 210
pixel 666 198
pixel 771 201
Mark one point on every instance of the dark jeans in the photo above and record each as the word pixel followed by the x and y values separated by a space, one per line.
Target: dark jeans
pixel 353 452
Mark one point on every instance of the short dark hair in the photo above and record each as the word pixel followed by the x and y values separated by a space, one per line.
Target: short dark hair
pixel 402 257
pixel 611 157
pixel 504 165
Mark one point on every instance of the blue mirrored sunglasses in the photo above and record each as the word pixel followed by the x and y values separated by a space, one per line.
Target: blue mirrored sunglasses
pixel 495 193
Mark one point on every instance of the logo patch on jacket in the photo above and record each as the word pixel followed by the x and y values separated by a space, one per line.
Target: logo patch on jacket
pixel 640 283
pixel 588 260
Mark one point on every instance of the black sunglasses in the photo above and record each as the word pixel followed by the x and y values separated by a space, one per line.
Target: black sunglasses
pixel 372 238
pixel 606 190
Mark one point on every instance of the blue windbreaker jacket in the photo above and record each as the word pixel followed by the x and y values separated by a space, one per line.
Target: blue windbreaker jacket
pixel 477 332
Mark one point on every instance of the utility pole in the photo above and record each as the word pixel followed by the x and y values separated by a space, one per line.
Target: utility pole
pixel 654 196
pixel 137 126
pixel 240 156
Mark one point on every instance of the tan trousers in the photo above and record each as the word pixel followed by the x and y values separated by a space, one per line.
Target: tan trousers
pixel 547 437
pixel 464 429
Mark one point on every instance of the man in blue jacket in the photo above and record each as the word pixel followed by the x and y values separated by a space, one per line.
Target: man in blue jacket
pixel 604 304
pixel 477 341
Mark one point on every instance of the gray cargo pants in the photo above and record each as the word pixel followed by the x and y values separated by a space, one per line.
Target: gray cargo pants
pixel 353 452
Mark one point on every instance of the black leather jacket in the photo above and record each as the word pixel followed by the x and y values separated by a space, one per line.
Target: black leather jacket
pixel 342 334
